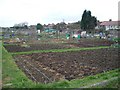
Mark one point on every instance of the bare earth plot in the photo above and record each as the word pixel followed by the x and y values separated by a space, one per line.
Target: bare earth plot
pixel 50 67
pixel 80 44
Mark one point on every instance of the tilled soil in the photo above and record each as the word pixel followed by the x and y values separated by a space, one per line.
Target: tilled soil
pixel 19 48
pixel 50 67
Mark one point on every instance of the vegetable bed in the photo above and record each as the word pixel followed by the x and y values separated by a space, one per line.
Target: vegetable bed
pixel 55 66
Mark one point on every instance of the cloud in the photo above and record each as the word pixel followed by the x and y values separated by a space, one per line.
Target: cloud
pixel 50 11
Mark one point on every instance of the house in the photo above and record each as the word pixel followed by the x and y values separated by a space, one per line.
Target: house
pixel 49 26
pixel 110 25
pixel 98 25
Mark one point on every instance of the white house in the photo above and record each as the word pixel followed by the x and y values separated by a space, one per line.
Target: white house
pixel 110 25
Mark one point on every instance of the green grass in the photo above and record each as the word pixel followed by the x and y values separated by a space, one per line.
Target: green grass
pixel 87 81
pixel 13 77
pixel 60 50
pixel 93 79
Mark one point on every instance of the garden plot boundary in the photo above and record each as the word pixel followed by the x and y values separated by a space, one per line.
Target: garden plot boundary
pixel 19 80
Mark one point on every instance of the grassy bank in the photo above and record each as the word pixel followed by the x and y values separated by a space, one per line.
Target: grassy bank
pixel 13 77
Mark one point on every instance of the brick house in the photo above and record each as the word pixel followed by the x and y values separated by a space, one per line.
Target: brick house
pixel 110 25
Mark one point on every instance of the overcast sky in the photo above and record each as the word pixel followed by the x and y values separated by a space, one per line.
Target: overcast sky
pixel 54 11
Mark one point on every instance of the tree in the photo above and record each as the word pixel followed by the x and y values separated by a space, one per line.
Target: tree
pixel 39 26
pixel 55 27
pixel 75 25
pixel 93 23
pixel 88 21
pixel 83 20
pixel 23 25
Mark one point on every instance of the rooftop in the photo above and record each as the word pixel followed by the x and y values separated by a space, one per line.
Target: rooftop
pixel 110 23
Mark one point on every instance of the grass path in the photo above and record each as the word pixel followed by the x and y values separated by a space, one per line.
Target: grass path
pixel 60 50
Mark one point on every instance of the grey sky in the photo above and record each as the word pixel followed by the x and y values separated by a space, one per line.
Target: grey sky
pixel 54 11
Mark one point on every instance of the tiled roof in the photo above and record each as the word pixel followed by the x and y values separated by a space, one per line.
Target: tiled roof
pixel 110 23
